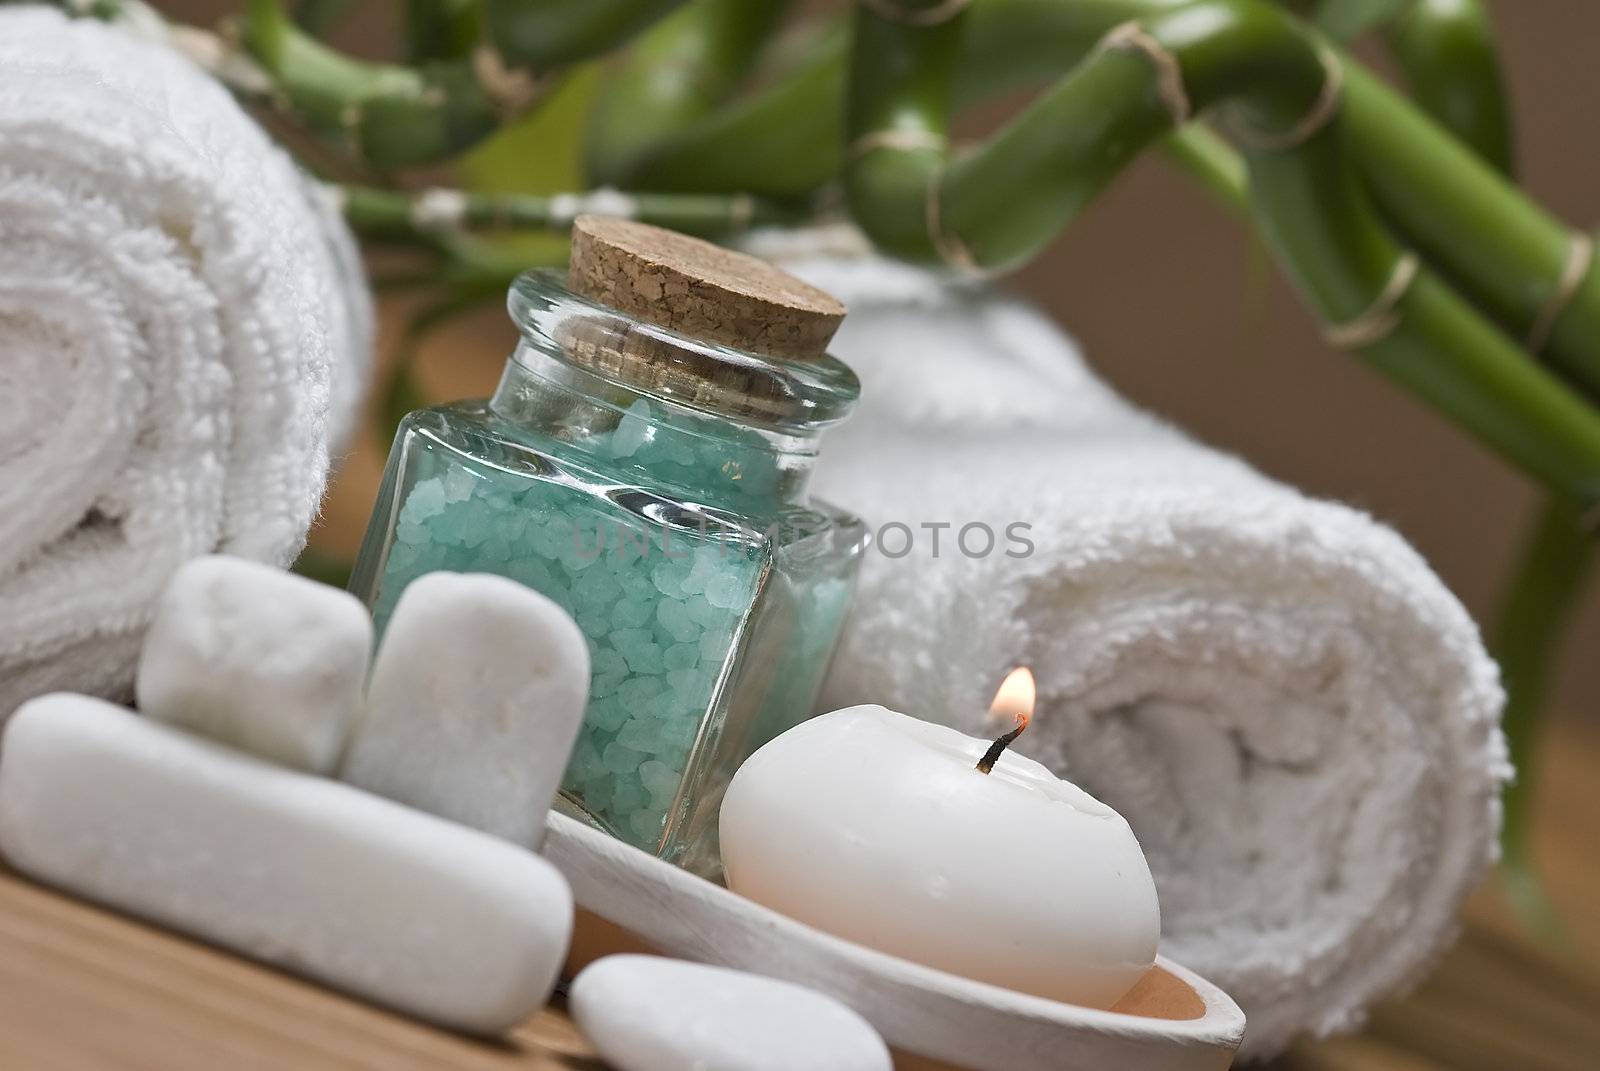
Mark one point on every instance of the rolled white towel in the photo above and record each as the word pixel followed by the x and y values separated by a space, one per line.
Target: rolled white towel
pixel 1296 716
pixel 180 313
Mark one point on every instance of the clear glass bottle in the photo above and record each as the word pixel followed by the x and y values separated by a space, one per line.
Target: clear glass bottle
pixel 656 487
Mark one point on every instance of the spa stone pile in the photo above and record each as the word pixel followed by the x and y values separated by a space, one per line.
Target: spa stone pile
pixel 218 813
pixel 224 812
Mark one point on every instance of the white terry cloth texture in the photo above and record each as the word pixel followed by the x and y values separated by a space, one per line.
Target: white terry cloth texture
pixel 183 329
pixel 1297 718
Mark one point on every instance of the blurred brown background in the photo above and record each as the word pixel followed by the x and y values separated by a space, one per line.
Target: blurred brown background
pixel 1160 288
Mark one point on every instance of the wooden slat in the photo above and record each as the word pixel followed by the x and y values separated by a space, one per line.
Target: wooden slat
pixel 81 987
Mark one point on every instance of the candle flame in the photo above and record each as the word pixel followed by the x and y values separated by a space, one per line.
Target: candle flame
pixel 1014 701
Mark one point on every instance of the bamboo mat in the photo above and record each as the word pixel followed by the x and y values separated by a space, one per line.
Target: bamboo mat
pixel 82 989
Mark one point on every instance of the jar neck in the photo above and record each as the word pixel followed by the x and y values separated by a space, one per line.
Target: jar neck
pixel 631 435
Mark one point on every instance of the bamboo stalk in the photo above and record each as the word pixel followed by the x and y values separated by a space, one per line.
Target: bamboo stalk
pixel 1437 346
pixel 782 141
pixel 1213 163
pixel 787 138
pixel 1345 20
pixel 1556 559
pixel 673 74
pixel 385 115
pixel 1504 251
pixel 400 115
pixel 393 116
pixel 539 35
pixel 1446 50
pixel 458 87
pixel 1458 74
pixel 897 128
pixel 395 215
pixel 1419 173
pixel 1553 433
pixel 317 17
pixel 995 206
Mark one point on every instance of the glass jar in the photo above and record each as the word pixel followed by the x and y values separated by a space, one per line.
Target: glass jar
pixel 655 486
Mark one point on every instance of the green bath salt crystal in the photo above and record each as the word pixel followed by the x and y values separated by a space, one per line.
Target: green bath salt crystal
pixel 666 512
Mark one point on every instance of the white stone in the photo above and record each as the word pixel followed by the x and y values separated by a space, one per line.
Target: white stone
pixel 647 1013
pixel 402 908
pixel 475 701
pixel 264 660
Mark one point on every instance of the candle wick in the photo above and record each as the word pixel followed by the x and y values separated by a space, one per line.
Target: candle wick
pixel 992 756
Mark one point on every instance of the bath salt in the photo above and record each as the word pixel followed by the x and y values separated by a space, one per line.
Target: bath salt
pixel 258 658
pixel 399 907
pixel 632 616
pixel 474 704
pixel 644 464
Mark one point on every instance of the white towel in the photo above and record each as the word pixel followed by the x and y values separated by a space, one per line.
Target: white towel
pixel 1296 716
pixel 179 314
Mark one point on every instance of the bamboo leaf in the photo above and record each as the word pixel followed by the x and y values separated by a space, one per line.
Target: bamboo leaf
pixel 542 151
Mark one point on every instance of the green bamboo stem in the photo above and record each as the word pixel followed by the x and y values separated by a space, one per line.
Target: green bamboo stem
pixel 539 35
pixel 1557 557
pixel 787 138
pixel 797 124
pixel 1446 50
pixel 782 141
pixel 332 79
pixel 1200 153
pixel 385 115
pixel 993 207
pixel 317 17
pixel 394 215
pixel 1465 84
pixel 897 123
pixel 675 73
pixel 1443 350
pixel 1345 20
pixel 1030 35
pixel 1502 250
pixel 779 144
pixel 391 116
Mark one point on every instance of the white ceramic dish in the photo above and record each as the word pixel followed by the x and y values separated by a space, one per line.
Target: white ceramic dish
pixel 1173 1020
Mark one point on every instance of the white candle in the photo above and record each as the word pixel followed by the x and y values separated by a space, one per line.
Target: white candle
pixel 881 829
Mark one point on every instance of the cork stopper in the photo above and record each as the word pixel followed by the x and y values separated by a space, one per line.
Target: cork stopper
pixel 700 290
